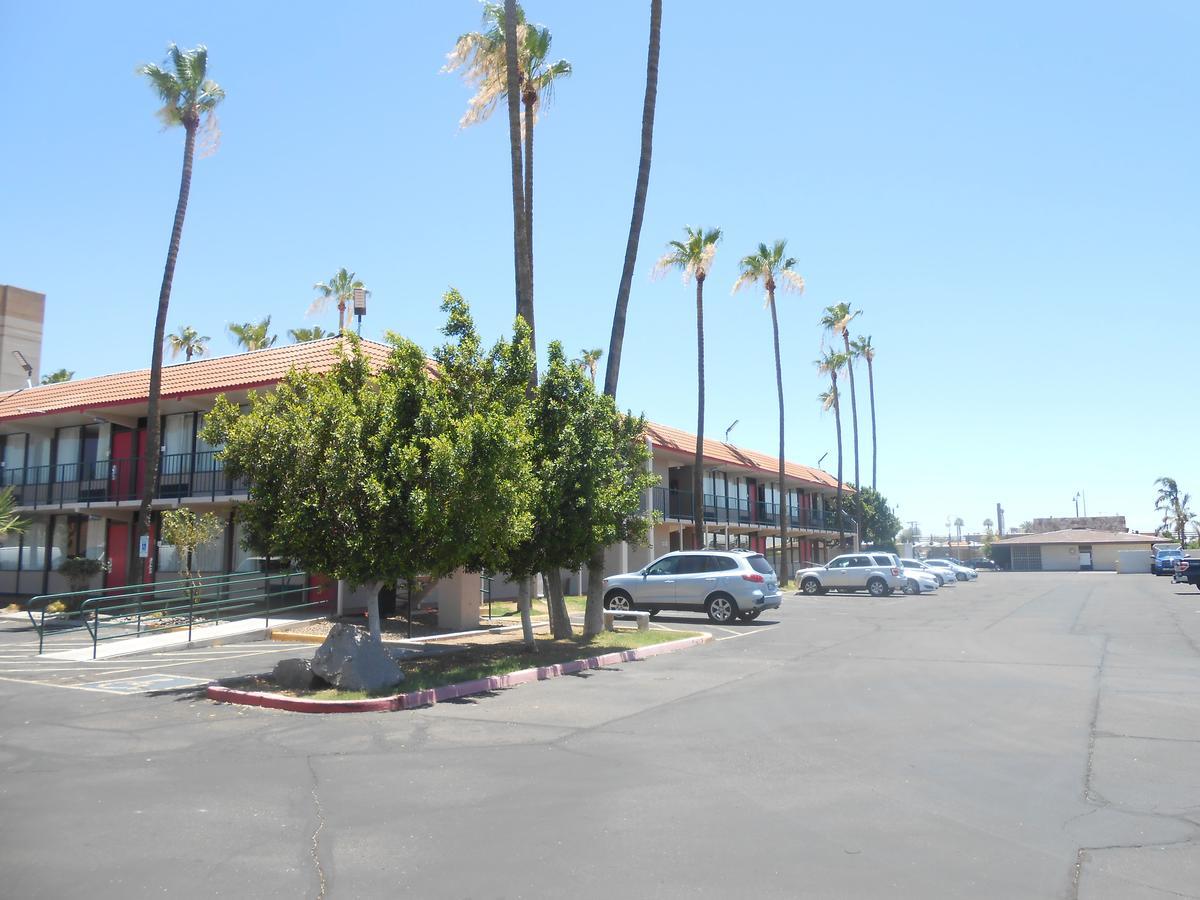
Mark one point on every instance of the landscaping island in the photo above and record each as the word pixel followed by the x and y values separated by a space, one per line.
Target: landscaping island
pixel 466 665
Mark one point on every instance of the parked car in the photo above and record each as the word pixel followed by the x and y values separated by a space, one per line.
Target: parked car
pixel 982 562
pixel 919 581
pixel 961 572
pixel 877 573
pixel 1164 560
pixel 726 584
pixel 1187 571
pixel 943 577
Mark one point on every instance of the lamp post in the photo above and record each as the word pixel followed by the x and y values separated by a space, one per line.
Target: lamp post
pixel 730 428
pixel 360 306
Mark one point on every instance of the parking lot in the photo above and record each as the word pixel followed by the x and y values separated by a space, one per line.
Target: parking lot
pixel 1024 736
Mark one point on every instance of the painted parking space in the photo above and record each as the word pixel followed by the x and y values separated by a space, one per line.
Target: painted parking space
pixel 145 684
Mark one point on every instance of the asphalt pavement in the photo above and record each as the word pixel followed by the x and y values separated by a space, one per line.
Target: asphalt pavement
pixel 1023 736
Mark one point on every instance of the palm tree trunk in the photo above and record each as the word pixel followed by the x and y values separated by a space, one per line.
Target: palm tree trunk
pixel 837 419
pixel 617 340
pixel 874 436
pixel 530 101
pixel 854 422
pixel 520 233
pixel 698 466
pixel 150 470
pixel 593 621
pixel 785 576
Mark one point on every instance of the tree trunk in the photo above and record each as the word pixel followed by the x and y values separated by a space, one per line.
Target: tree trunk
pixel 785 576
pixel 593 621
pixel 837 418
pixel 698 466
pixel 373 622
pixel 560 621
pixel 617 339
pixel 153 437
pixel 530 101
pixel 524 604
pixel 874 436
pixel 858 512
pixel 593 617
pixel 520 232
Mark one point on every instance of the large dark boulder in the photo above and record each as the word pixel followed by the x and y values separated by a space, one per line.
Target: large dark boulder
pixel 297 675
pixel 351 661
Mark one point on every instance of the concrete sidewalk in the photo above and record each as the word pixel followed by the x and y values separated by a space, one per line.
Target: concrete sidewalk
pixel 255 629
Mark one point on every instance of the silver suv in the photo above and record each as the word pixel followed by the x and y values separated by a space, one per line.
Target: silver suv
pixel 878 573
pixel 726 584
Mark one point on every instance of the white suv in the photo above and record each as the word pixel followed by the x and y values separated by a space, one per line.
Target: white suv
pixel 877 573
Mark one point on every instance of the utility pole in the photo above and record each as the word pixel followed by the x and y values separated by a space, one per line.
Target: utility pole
pixel 1000 519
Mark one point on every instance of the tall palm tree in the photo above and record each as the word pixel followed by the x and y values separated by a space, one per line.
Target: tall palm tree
pixel 340 287
pixel 616 340
pixel 693 257
pixel 837 319
pixel 302 335
pixel 831 364
pixel 189 98
pixel 254 336
pixel 588 360
pixel 189 342
pixel 1173 504
pixel 58 377
pixel 771 267
pixel 863 349
pixel 482 57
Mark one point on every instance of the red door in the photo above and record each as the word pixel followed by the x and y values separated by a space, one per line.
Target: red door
pixel 118 554
pixel 121 485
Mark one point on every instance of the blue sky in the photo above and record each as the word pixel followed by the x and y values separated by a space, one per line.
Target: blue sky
pixel 1009 193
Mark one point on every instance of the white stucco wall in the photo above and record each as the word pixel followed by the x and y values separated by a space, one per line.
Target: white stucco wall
pixel 1060 558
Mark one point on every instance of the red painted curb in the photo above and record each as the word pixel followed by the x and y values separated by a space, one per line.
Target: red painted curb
pixel 429 697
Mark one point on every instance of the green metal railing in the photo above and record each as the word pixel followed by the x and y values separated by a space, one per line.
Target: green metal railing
pixel 177 605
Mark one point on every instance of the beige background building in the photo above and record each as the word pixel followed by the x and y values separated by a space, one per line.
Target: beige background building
pixel 1069 550
pixel 21 316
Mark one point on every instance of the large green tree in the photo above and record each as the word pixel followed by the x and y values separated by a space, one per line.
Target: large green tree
pixel 58 377
pixel 303 335
pixel 189 98
pixel 590 471
pixel 380 477
pixel 693 256
pixel 879 523
pixel 771 267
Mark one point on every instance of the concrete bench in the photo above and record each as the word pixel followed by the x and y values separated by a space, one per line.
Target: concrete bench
pixel 611 615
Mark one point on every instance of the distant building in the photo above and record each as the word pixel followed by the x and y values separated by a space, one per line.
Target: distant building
pixel 1095 523
pixel 1069 550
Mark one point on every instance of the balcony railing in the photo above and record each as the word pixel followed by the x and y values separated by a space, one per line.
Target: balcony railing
pixel 721 510
pixel 114 480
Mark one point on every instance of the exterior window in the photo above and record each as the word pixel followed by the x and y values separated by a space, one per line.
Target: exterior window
pixel 14 459
pixel 33 549
pixel 67 454
pixel 94 538
pixel 667 566
pixel 177 444
pixel 210 557
pixel 60 540
pixel 10 549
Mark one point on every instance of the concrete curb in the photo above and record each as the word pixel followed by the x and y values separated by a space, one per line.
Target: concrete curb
pixel 416 699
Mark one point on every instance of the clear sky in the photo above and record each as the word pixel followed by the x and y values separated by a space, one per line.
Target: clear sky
pixel 1008 191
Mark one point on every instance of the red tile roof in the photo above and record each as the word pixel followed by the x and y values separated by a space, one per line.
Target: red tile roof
pixel 258 368
pixel 680 441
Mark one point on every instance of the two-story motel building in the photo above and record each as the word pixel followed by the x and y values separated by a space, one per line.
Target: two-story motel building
pixel 73 455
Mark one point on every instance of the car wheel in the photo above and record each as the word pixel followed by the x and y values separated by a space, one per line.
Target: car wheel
pixel 654 611
pixel 911 587
pixel 960 576
pixel 721 609
pixel 811 586
pixel 618 600
pixel 940 580
pixel 751 615
pixel 877 587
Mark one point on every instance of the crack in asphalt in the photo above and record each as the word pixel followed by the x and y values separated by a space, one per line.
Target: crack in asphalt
pixel 315 847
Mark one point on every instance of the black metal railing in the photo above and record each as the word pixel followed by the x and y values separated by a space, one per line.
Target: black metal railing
pixel 180 475
pixel 720 510
pixel 177 605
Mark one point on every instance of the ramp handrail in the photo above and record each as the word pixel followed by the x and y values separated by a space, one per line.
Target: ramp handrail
pixel 178 604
